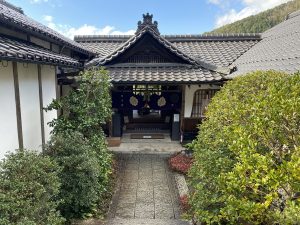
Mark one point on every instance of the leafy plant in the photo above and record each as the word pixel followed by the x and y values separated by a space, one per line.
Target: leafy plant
pixel 247 164
pixel 85 111
pixel 29 185
pixel 80 183
pixel 87 108
pixel 180 163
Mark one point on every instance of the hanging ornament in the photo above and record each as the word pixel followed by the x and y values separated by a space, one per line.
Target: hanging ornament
pixel 161 102
pixel 133 101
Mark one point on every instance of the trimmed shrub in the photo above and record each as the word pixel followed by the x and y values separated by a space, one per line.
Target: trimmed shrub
pixel 80 175
pixel 28 187
pixel 247 164
pixel 180 163
pixel 86 110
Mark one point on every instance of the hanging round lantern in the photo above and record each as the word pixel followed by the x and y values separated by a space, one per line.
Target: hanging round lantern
pixel 133 101
pixel 161 101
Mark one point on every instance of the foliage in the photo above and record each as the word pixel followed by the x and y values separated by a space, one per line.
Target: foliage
pixel 80 183
pixel 180 163
pixel 184 202
pixel 260 22
pixel 247 163
pixel 85 111
pixel 28 186
pixel 87 108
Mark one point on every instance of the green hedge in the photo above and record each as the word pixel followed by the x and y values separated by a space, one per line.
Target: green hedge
pixel 78 144
pixel 247 163
pixel 29 186
pixel 81 186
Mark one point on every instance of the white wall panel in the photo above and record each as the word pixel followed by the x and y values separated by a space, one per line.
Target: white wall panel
pixel 8 119
pixel 30 106
pixel 49 93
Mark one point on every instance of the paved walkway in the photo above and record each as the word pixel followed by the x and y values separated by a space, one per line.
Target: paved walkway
pixel 146 193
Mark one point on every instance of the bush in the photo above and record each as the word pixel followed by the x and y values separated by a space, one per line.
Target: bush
pixel 80 175
pixel 247 163
pixel 86 110
pixel 28 186
pixel 180 163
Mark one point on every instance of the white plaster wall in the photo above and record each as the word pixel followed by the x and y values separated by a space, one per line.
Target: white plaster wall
pixel 189 96
pixel 49 93
pixel 30 106
pixel 8 120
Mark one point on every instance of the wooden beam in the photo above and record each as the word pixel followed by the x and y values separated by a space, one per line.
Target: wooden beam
pixel 18 105
pixel 39 67
pixel 58 93
pixel 182 108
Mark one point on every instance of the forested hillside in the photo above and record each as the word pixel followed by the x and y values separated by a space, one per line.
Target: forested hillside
pixel 260 22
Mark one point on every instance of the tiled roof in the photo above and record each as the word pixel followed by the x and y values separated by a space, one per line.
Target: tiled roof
pixel 220 50
pixel 205 58
pixel 15 17
pixel 162 73
pixel 131 41
pixel 219 53
pixel 27 52
pixel 278 50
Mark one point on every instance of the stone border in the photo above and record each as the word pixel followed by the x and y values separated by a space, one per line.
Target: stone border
pixel 181 184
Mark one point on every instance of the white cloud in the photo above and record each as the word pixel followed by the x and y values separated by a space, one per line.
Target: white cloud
pixel 215 2
pixel 85 29
pixel 48 18
pixel 251 7
pixel 37 1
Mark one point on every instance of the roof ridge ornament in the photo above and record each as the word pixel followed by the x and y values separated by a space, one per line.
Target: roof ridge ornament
pixel 147 22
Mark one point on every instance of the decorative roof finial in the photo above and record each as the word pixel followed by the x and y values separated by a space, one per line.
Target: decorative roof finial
pixel 147 22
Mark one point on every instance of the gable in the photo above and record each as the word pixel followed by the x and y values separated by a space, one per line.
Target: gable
pixel 148 49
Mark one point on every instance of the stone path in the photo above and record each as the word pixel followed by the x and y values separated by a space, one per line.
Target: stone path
pixel 146 193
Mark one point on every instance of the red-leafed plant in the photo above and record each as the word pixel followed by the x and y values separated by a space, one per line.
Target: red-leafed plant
pixel 184 202
pixel 180 163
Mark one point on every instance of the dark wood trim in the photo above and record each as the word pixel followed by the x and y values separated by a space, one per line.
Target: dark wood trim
pixel 39 67
pixel 182 108
pixel 18 105
pixel 57 91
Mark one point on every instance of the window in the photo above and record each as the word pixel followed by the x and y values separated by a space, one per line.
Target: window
pixel 200 103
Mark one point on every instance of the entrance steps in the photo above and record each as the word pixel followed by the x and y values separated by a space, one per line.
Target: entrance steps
pixel 148 146
pixel 121 221
pixel 126 138
pixel 162 126
pixel 147 130
pixel 165 145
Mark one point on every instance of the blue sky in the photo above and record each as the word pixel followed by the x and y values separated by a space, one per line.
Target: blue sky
pixel 121 16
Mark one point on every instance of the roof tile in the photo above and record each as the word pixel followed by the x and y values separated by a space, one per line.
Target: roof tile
pixel 13 16
pixel 24 51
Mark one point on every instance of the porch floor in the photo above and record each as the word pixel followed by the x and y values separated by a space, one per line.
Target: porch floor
pixel 165 145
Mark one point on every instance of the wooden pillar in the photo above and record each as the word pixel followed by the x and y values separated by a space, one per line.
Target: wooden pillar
pixel 18 105
pixel 41 105
pixel 182 109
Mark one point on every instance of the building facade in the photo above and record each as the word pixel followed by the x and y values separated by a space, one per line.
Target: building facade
pixel 160 82
pixel 32 60
pixel 161 79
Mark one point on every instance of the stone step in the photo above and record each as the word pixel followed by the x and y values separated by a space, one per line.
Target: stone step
pixel 121 221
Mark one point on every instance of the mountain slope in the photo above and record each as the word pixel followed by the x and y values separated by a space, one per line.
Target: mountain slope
pixel 260 22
